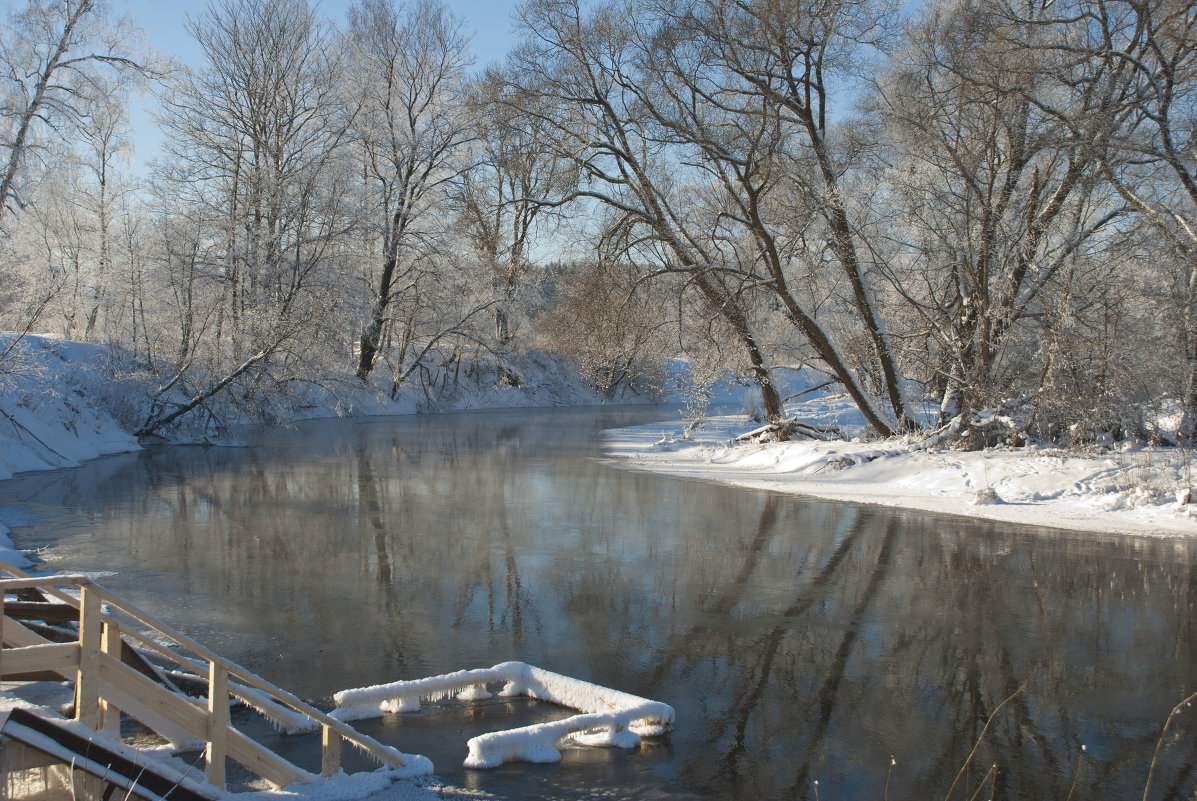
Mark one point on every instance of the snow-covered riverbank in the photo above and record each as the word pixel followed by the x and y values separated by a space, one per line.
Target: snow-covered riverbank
pixel 57 402
pixel 49 418
pixel 1129 491
pixel 55 407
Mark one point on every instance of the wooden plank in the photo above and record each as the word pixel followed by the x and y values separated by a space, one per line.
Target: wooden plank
pixel 110 713
pixel 29 728
pixel 155 698
pixel 131 701
pixel 52 633
pixel 218 723
pixel 16 635
pixel 40 675
pixel 264 762
pixel 136 708
pixel 36 610
pixel 330 751
pixel 87 686
pixel 160 708
pixel 58 657
pixel 384 755
pixel 181 712
pixel 42 582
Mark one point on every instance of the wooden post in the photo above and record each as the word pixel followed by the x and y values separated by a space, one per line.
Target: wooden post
pixel 218 722
pixel 87 685
pixel 110 715
pixel 1 634
pixel 330 754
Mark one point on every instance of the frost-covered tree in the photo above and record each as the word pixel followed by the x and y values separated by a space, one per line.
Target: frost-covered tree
pixel 410 129
pixel 576 76
pixel 993 178
pixel 58 61
pixel 703 128
pixel 513 182
pixel 755 87
pixel 53 58
pixel 610 323
pixel 1150 49
pixel 257 175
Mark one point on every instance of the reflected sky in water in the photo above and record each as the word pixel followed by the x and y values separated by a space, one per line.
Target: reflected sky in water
pixel 799 640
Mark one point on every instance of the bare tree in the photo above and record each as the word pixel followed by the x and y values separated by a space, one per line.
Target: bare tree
pixel 258 139
pixel 105 140
pixel 993 167
pixel 410 129
pixel 575 71
pixel 511 184
pixel 783 65
pixel 707 147
pixel 609 323
pixel 52 56
pixel 1151 47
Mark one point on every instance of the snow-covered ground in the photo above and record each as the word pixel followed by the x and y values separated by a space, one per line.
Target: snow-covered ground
pixel 48 418
pixel 1132 490
pixel 52 406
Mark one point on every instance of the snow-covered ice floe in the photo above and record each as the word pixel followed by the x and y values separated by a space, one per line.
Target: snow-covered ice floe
pixel 608 717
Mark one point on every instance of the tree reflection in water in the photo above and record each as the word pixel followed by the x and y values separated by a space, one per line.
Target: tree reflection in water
pixel 799 640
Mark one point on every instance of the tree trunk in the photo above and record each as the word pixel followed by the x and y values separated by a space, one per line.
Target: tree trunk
pixel 735 317
pixel 371 339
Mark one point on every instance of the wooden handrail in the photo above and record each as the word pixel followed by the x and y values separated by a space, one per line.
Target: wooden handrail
pixel 98 630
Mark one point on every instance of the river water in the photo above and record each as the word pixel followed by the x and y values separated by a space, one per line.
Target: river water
pixel 800 641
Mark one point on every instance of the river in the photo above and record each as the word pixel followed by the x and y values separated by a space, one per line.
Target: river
pixel 800 641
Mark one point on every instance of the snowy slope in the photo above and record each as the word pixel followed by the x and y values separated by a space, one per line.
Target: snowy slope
pixel 46 417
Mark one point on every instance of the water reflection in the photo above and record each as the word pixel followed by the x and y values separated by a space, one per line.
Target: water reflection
pixel 799 640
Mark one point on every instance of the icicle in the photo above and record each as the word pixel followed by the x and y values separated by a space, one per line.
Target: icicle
pixel 475 692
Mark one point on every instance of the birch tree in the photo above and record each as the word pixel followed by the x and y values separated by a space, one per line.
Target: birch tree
pixel 52 56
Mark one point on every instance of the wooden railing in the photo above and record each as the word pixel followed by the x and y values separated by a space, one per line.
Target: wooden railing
pixel 105 686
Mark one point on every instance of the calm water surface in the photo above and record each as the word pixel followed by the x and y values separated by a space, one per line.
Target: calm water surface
pixel 799 641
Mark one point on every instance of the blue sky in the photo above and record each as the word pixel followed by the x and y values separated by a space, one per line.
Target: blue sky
pixel 490 22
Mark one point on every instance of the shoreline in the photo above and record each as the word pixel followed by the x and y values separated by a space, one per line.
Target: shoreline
pixel 1120 493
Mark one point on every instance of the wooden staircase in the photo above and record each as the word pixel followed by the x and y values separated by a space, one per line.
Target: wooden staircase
pixel 119 659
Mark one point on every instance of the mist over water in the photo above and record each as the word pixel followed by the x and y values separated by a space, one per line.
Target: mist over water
pixel 798 640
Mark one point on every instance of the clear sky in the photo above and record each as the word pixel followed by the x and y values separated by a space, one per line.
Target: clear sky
pixel 490 22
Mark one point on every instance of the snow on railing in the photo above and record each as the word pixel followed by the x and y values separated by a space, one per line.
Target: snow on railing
pixel 609 717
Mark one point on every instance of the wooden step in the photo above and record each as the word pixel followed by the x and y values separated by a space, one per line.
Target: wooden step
pixel 141 779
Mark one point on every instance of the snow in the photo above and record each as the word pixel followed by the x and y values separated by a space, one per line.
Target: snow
pixel 610 718
pixel 1130 490
pixel 53 401
pixel 339 787
pixel 47 417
